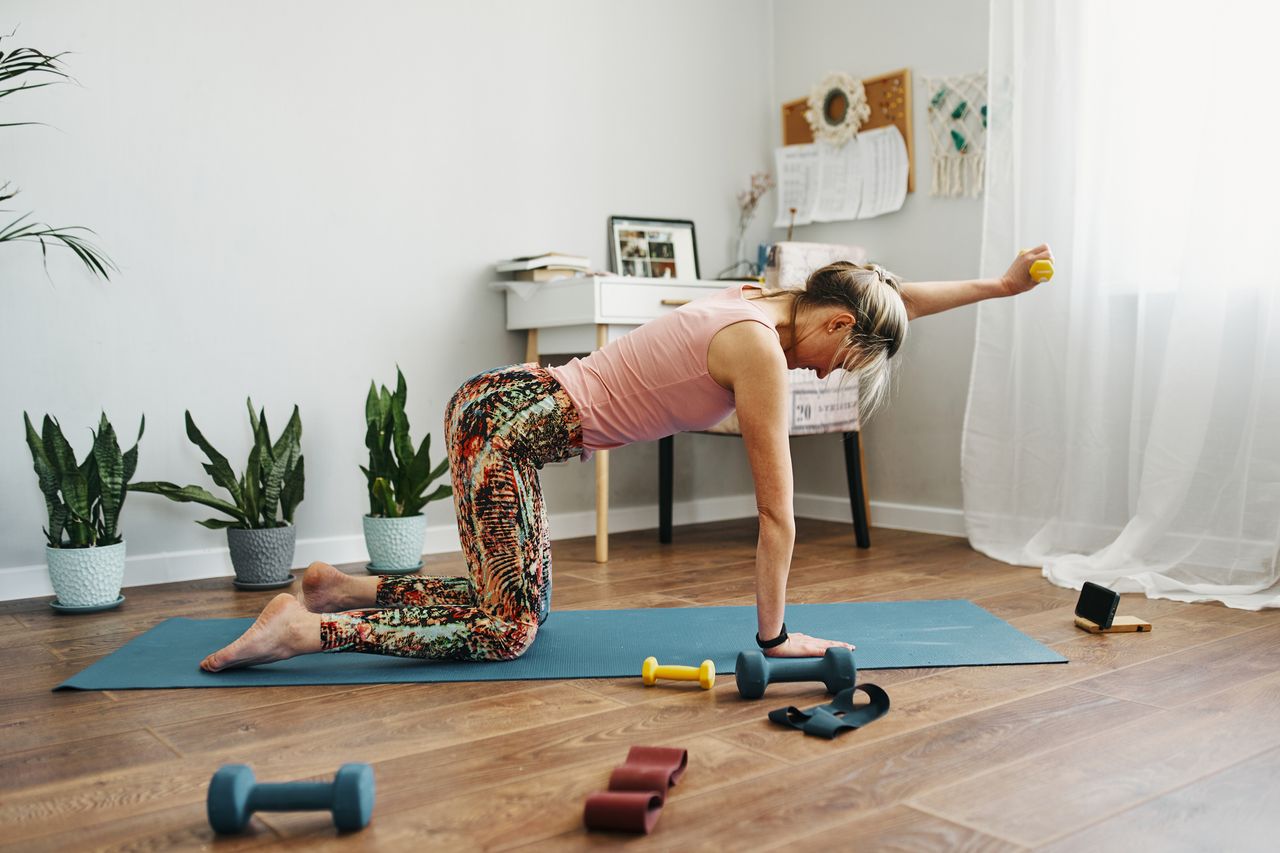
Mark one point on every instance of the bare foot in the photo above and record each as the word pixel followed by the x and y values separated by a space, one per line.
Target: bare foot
pixel 283 629
pixel 327 590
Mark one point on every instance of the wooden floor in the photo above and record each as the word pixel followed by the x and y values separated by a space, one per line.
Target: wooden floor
pixel 1162 741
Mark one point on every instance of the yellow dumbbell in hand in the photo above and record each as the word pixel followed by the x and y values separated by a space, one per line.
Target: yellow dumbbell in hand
pixel 705 675
pixel 1041 270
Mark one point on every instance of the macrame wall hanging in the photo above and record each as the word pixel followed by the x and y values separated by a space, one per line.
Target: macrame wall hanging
pixel 958 130
pixel 837 107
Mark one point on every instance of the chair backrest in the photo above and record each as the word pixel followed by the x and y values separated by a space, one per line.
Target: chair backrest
pixel 791 263
pixel 816 405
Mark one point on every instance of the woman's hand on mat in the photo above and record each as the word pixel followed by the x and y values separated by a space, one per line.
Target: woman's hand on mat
pixel 1018 277
pixel 803 646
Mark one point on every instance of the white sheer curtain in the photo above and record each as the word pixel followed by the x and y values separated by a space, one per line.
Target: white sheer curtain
pixel 1123 422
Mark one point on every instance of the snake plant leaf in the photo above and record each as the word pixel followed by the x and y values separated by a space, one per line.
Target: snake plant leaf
pixel 109 462
pixel 262 438
pixel 291 438
pixel 219 523
pixel 371 413
pixel 402 390
pixel 75 491
pixel 275 478
pixel 219 469
pixel 276 462
pixel 253 416
pixel 253 489
pixel 191 494
pixel 415 477
pixel 386 504
pixel 55 445
pixel 57 525
pixel 400 435
pixel 43 468
pixel 294 487
pixel 439 494
pixel 131 458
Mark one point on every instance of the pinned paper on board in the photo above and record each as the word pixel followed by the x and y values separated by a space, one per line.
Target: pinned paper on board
pixel 867 177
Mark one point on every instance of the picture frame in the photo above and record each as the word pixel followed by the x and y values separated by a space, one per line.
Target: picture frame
pixel 649 247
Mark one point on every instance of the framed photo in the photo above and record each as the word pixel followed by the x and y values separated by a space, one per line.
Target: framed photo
pixel 653 248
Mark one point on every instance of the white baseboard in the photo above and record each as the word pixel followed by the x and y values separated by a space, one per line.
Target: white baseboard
pixel 894 516
pixel 145 569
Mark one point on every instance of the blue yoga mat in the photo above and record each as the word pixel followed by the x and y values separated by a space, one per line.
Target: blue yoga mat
pixel 591 644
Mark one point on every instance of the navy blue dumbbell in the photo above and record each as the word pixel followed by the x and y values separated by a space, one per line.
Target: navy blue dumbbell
pixel 234 796
pixel 754 672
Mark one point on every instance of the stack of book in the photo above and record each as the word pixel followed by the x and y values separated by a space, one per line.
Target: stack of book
pixel 549 266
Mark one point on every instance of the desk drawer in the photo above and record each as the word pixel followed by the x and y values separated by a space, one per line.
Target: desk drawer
pixel 646 301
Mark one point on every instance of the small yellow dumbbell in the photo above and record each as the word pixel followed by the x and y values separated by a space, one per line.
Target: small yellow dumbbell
pixel 1041 270
pixel 705 675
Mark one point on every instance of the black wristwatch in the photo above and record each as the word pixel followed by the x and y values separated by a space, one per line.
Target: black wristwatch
pixel 776 641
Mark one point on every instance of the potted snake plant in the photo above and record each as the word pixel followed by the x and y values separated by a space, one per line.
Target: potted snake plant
pixel 397 478
pixel 260 531
pixel 85 550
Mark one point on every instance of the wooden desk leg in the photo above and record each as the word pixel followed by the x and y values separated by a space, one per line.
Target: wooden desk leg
pixel 602 478
pixel 531 346
pixel 602 506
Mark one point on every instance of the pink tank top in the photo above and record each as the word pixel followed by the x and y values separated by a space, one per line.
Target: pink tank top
pixel 653 382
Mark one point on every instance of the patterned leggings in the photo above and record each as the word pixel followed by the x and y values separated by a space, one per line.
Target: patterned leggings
pixel 501 427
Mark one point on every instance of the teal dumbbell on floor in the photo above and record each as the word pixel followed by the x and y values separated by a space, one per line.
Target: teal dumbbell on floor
pixel 754 672
pixel 234 796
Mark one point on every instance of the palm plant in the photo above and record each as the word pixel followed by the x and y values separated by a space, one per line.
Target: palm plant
pixel 268 491
pixel 398 476
pixel 15 64
pixel 83 500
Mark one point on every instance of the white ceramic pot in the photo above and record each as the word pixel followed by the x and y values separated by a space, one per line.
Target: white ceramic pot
pixel 86 577
pixel 395 544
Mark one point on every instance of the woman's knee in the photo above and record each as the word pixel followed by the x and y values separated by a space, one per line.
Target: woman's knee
pixel 517 640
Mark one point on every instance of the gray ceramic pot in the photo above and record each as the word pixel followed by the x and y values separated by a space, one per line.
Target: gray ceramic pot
pixel 262 556
pixel 395 544
pixel 86 577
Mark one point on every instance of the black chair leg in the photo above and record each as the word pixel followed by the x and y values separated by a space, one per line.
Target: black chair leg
pixel 857 496
pixel 666 476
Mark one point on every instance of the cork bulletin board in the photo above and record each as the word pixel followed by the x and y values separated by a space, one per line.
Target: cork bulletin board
pixel 889 97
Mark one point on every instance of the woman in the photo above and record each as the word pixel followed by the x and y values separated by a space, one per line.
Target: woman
pixel 684 371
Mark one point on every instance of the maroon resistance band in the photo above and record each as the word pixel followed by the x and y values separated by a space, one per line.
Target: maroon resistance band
pixel 637 790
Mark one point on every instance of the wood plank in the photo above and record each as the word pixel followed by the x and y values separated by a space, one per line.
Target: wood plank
pixel 28 692
pixel 1119 769
pixel 542 802
pixel 398 708
pixel 1218 666
pixel 73 758
pixel 1233 809
pixel 183 827
pixel 819 793
pixel 118 711
pixel 902 828
pixel 495 765
pixel 947 694
pixel 103 798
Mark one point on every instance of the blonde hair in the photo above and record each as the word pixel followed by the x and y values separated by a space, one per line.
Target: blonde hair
pixel 874 297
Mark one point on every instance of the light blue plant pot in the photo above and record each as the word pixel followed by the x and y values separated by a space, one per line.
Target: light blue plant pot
pixel 264 555
pixel 395 544
pixel 86 577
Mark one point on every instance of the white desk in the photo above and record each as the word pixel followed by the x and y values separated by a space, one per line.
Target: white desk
pixel 578 315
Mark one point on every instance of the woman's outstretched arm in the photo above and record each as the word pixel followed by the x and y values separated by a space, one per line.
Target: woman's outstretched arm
pixel 932 297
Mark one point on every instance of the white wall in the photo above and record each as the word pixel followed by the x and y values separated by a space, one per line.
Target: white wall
pixel 913 445
pixel 302 194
